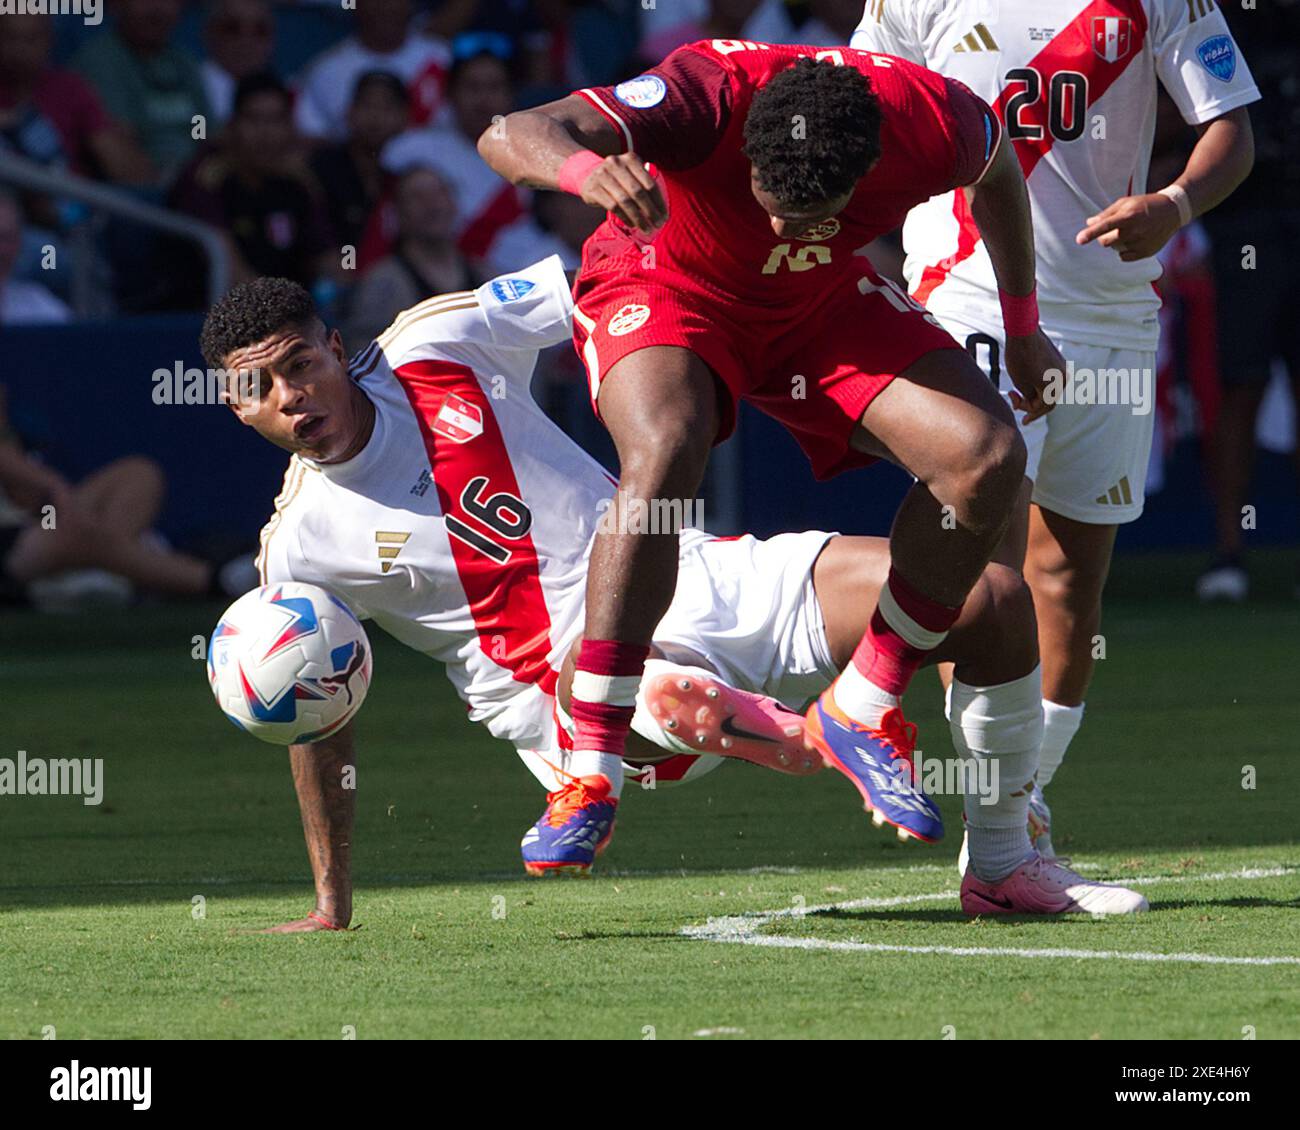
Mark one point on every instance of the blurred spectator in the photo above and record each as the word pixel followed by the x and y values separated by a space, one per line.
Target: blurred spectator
pixel 102 542
pixel 567 219
pixel 666 27
pixel 21 303
pixel 255 187
pixel 53 116
pixel 520 21
pixel 564 221
pixel 384 41
pixel 588 43
pixel 1187 362
pixel 720 19
pixel 424 262
pixel 479 91
pixel 379 111
pixel 1256 239
pixel 149 85
pixel 830 24
pixel 240 40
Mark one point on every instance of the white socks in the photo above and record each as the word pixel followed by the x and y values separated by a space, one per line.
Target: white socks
pixel 555 768
pixel 1060 724
pixel 1000 729
pixel 860 698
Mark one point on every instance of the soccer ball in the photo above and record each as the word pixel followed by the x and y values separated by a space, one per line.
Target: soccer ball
pixel 289 663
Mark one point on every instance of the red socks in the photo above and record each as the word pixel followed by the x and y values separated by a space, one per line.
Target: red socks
pixel 905 628
pixel 604 694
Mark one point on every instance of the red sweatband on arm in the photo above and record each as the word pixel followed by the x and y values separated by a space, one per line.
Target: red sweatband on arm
pixel 576 169
pixel 1019 313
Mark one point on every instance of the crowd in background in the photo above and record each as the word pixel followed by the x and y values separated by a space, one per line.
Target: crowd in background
pixel 352 170
pixel 336 146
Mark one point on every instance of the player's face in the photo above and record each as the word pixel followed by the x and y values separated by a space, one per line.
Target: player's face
pixel 790 223
pixel 293 389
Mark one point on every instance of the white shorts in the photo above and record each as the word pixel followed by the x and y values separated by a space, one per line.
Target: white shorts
pixel 1088 456
pixel 746 609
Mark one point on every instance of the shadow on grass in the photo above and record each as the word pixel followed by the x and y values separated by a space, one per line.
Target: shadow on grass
pixel 1229 904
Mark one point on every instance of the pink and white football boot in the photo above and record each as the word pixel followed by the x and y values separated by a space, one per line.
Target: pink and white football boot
pixel 709 716
pixel 1046 886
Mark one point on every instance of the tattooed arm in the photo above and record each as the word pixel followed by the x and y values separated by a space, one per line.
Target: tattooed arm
pixel 323 776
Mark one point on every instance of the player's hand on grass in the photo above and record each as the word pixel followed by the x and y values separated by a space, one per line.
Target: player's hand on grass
pixel 624 185
pixel 1135 226
pixel 1031 361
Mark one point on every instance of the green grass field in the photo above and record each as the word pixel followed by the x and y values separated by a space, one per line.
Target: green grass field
pixel 100 935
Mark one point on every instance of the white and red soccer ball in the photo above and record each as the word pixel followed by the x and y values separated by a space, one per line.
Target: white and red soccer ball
pixel 289 663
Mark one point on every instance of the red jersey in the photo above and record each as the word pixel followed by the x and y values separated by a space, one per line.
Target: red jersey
pixel 687 116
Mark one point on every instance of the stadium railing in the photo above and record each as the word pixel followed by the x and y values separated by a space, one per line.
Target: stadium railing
pixel 34 177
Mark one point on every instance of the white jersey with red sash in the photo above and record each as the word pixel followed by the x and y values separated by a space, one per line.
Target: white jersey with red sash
pixel 463 527
pixel 1074 84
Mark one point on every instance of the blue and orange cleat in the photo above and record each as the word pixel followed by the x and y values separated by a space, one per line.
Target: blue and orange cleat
pixel 574 829
pixel 879 763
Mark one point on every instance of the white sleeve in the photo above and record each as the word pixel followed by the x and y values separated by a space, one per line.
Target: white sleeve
pixel 519 313
pixel 892 27
pixel 1198 61
pixel 529 309
pixel 282 558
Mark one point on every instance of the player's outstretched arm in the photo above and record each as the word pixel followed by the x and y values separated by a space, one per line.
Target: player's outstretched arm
pixel 1000 208
pixel 1139 226
pixel 571 146
pixel 323 775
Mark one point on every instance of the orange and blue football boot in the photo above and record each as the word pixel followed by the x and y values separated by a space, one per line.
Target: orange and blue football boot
pixel 879 763
pixel 574 829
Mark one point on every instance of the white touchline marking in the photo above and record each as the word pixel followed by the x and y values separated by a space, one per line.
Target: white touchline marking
pixel 1000 951
pixel 745 929
pixel 1214 876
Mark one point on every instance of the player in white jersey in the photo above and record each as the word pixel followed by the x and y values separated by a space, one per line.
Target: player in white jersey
pixel 429 492
pixel 1074 85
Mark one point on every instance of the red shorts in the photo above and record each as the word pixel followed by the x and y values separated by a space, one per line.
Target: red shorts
pixel 814 372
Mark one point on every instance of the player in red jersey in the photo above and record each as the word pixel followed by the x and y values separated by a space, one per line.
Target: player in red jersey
pixel 728 269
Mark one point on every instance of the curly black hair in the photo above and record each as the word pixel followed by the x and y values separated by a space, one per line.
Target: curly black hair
pixel 251 312
pixel 813 132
